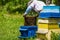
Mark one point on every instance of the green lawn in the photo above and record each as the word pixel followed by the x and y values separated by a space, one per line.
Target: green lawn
pixel 9 26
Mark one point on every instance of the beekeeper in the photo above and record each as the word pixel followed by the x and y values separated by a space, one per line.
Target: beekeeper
pixel 35 5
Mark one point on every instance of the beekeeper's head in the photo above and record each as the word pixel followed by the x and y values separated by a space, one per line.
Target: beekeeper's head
pixel 33 0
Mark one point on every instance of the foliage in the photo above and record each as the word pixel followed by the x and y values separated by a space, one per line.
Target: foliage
pixel 13 6
pixel 57 2
pixel 55 36
pixel 9 26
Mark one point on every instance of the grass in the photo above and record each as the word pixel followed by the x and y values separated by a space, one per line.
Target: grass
pixel 9 26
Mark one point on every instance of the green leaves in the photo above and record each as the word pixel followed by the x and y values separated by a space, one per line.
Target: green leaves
pixel 11 6
pixel 55 36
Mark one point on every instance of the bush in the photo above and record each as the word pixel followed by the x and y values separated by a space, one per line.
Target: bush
pixel 55 36
pixel 12 6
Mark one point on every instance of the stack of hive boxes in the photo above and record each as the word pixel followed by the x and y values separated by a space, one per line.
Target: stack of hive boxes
pixel 49 18
pixel 29 29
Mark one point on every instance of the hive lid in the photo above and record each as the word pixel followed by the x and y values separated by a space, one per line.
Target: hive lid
pixel 50 11
pixel 53 9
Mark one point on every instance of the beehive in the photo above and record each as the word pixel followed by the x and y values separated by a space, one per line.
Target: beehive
pixel 30 20
pixel 52 23
pixel 49 19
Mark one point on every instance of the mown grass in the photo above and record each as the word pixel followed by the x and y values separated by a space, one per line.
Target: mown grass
pixel 9 26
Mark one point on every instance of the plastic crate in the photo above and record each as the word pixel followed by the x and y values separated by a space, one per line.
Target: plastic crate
pixel 27 31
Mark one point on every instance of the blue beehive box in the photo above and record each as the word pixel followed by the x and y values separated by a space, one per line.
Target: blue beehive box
pixel 50 11
pixel 27 31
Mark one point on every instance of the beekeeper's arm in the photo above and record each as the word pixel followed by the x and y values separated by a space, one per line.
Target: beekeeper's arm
pixel 29 8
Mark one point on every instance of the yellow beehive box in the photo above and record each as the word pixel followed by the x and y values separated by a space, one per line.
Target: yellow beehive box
pixel 43 25
pixel 54 20
pixel 53 26
pixel 49 20
pixel 48 24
